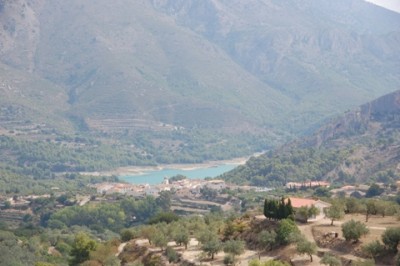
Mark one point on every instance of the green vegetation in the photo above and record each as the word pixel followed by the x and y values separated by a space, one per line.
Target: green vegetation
pixel 278 210
pixel 287 232
pixel 234 247
pixel 303 246
pixel 267 239
pixel 373 190
pixel 330 260
pixel 335 212
pixel 90 233
pixel 353 230
pixel 81 248
pixel 111 216
pixel 304 213
pixel 278 168
pixel 268 263
pixel 391 238
pixel 373 249
pixel 210 245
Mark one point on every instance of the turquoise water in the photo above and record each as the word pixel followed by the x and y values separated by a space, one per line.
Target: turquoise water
pixel 156 177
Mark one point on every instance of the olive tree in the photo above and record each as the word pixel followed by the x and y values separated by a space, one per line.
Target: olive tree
pixel 335 212
pixel 306 247
pixel 353 230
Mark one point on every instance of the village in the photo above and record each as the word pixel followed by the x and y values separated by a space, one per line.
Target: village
pixel 188 196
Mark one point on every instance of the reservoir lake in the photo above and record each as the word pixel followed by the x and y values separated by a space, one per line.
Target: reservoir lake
pixel 157 176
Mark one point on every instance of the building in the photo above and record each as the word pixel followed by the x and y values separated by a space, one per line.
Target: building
pixel 307 184
pixel 319 204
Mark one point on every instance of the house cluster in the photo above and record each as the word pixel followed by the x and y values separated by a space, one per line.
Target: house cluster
pixel 185 187
pixel 351 190
pixel 307 184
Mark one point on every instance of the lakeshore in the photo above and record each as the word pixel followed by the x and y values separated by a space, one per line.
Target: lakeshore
pixel 140 170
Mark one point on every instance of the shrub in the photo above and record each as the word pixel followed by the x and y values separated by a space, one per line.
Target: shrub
pixel 171 254
pixel 331 260
pixel 128 234
pixel 391 238
pixel 373 249
pixel 229 259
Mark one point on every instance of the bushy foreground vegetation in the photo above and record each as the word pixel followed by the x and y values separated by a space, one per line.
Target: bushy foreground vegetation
pixel 91 234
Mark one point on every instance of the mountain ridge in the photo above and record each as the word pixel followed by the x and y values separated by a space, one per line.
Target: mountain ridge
pixel 360 146
pixel 267 66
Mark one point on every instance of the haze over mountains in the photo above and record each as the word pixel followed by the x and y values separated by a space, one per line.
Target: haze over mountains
pixel 254 66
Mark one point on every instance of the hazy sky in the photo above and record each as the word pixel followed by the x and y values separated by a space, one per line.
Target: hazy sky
pixel 389 4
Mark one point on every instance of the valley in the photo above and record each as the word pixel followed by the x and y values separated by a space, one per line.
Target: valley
pixel 212 132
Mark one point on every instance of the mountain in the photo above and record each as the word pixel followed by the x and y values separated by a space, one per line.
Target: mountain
pixel 362 145
pixel 325 56
pixel 254 66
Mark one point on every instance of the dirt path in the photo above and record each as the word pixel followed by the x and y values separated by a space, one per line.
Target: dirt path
pixel 120 248
pixel 306 229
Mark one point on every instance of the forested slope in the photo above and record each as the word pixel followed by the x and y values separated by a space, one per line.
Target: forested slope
pixel 361 145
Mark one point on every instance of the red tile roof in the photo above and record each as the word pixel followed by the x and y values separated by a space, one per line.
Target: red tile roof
pixel 300 202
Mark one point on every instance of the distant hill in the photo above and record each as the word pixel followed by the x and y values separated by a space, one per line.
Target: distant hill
pixel 274 67
pixel 362 145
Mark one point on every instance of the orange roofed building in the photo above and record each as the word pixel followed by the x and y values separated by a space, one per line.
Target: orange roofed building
pixel 319 204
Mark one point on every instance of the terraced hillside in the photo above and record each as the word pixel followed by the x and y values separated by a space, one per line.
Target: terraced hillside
pixel 274 67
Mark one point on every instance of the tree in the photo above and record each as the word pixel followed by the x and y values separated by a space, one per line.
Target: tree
pixel 171 254
pixel 211 247
pixel 148 232
pixel 306 247
pixel 335 212
pixel 164 200
pixel 373 190
pixel 81 248
pixel 353 230
pixel 286 232
pixel 370 209
pixel 181 237
pixel 373 249
pixel 163 217
pixel 270 209
pixel 208 193
pixel 128 234
pixel 277 210
pixel 306 212
pixel 322 192
pixel 160 240
pixel 386 208
pixel 330 260
pixel 105 253
pixel 353 205
pixel 234 247
pixel 391 238
pixel 267 239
